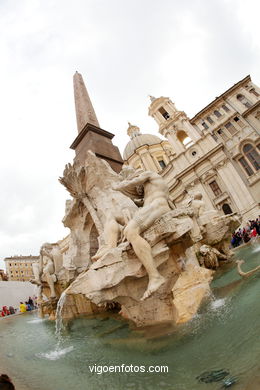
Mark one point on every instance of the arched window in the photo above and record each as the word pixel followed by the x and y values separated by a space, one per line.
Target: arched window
pixel 243 100
pixel 227 209
pixel 250 160
pixel 217 114
pixel 252 155
pixel 246 166
pixel 184 138
pixel 164 113
pixel 210 120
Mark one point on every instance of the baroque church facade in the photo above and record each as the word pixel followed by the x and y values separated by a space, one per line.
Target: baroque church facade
pixel 216 153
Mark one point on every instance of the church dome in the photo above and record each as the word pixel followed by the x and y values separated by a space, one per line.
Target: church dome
pixel 140 140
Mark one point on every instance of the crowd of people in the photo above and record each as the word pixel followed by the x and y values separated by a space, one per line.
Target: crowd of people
pixel 244 235
pixel 23 307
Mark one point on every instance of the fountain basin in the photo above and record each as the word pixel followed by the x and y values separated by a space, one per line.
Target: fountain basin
pixel 223 335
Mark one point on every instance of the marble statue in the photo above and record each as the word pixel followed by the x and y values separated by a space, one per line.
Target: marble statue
pixel 48 267
pixel 130 248
pixel 108 208
pixel 155 204
pixel 210 257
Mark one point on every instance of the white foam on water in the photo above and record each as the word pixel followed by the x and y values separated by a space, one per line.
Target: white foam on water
pixel 257 249
pixel 216 304
pixel 36 320
pixel 56 354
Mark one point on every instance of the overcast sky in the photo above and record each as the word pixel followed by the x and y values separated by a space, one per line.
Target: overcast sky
pixel 189 50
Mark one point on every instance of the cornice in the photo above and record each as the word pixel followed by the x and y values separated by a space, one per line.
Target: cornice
pixel 250 109
pixel 220 98
pixel 94 129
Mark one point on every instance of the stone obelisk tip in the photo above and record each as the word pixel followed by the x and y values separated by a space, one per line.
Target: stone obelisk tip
pixel 85 112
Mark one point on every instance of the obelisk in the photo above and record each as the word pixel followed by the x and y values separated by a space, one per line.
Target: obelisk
pixel 85 112
pixel 90 135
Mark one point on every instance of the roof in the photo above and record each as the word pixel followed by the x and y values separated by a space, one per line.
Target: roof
pixel 138 141
pixel 219 98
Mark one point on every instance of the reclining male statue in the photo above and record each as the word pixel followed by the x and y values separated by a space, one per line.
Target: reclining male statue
pixel 155 204
pixel 109 197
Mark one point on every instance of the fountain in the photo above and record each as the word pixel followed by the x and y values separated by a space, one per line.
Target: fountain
pixel 129 248
pixel 139 283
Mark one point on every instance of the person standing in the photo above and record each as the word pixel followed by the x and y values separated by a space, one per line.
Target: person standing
pixel 22 307
pixel 30 302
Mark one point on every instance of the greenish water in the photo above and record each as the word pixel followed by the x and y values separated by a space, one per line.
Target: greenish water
pixel 224 334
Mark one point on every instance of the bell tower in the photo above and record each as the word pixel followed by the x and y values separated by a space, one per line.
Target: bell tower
pixel 173 124
pixel 90 135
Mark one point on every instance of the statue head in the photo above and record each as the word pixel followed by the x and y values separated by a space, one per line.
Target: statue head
pixel 46 247
pixel 204 249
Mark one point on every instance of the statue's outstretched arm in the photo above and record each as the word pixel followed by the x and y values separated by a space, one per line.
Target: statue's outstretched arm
pixel 126 184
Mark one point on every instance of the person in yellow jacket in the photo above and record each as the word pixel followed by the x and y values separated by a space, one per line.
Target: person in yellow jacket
pixel 22 307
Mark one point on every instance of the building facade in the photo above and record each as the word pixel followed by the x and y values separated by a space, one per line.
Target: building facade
pixel 19 268
pixel 217 152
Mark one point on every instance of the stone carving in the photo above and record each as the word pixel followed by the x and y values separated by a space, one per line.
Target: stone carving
pixel 49 266
pixel 81 242
pixel 246 274
pixel 155 204
pixel 108 208
pixel 129 248
pixel 209 257
pixel 189 290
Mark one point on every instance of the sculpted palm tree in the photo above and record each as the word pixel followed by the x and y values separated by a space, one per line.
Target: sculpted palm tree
pixel 75 182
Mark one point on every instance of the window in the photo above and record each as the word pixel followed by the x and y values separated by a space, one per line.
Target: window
pixel 222 135
pixel 162 164
pixel 243 100
pixel 230 128
pixel 253 91
pixel 204 124
pixel 210 120
pixel 164 113
pixel 194 153
pixel 227 209
pixel 215 188
pixel 225 108
pixel 217 114
pixel 246 166
pixel 10 264
pixel 252 156
pixel 239 122
pixel 184 138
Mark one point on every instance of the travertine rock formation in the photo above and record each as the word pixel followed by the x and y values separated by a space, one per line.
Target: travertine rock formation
pixel 127 246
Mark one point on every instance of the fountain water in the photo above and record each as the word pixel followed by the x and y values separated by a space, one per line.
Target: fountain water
pixel 59 321
pixel 223 336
